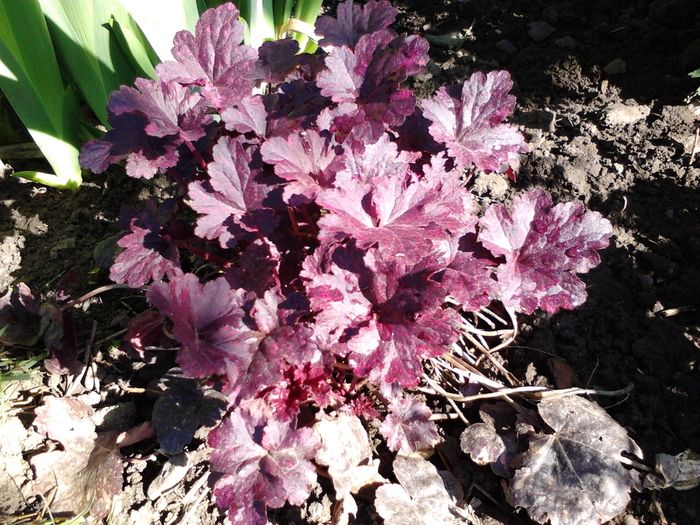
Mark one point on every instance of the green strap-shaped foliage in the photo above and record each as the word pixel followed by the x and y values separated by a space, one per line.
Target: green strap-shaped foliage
pixel 161 19
pixel 88 50
pixel 32 83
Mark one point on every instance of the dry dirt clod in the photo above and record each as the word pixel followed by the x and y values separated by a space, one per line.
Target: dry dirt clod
pixel 507 47
pixel 623 115
pixel 540 30
pixel 566 42
pixel 616 67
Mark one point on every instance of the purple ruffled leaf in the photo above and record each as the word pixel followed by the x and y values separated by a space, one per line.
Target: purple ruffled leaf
pixel 470 280
pixel 145 156
pixel 408 428
pixel 277 60
pixel 309 161
pixel 353 21
pixel 365 82
pixel 247 116
pixel 396 210
pixel 169 108
pixel 544 247
pixel 149 252
pixel 336 297
pixel 231 201
pixel 264 461
pixel 208 323
pixel 469 121
pixel 150 122
pixel 213 58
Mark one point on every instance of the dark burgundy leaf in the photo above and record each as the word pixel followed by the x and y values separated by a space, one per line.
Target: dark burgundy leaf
pixel 353 21
pixel 149 252
pixel 181 410
pixel 146 330
pixel 264 462
pixel 213 58
pixel 208 323
pixel 257 269
pixel 20 321
pixel 294 106
pixel 277 60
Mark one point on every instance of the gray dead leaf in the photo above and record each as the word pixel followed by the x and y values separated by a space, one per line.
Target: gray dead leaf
pixel 87 473
pixel 681 472
pixel 346 451
pixel 421 493
pixel 173 472
pixel 574 476
pixel 482 443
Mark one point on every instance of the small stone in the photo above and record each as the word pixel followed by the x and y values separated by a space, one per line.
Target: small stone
pixel 540 30
pixel 66 244
pixel 507 47
pixel 619 168
pixel 622 115
pixel 630 520
pixel 566 42
pixel 646 281
pixel 550 14
pixel 616 67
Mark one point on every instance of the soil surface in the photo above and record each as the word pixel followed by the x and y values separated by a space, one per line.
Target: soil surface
pixel 601 90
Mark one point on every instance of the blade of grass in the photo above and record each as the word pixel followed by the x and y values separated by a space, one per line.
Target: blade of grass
pixel 282 12
pixel 161 19
pixel 32 83
pixel 261 21
pixel 307 11
pixel 134 44
pixel 87 50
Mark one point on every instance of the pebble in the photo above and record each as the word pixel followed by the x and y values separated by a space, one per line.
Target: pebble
pixel 540 30
pixel 622 115
pixel 507 47
pixel 630 520
pixel 566 42
pixel 616 67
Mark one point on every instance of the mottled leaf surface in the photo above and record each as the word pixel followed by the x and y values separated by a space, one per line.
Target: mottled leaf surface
pixel 469 121
pixel 87 473
pixel 420 493
pixel 573 476
pixel 407 427
pixel 544 246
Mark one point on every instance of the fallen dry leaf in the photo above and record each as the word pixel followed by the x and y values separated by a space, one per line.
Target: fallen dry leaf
pixel 346 451
pixel 421 496
pixel 87 473
pixel 682 471
pixel 482 443
pixel 574 476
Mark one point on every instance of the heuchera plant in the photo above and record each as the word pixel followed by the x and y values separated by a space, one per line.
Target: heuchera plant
pixel 341 242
